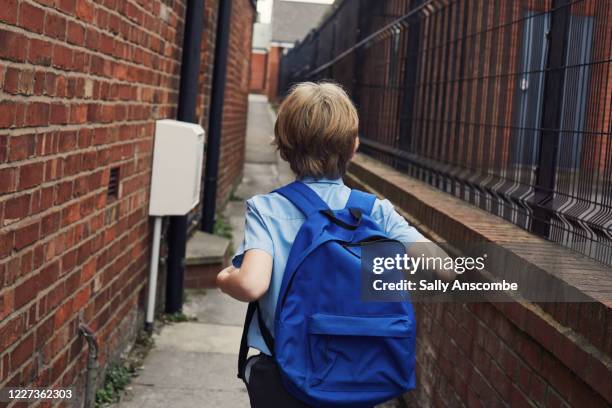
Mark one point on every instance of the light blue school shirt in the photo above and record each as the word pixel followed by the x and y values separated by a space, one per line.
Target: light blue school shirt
pixel 272 223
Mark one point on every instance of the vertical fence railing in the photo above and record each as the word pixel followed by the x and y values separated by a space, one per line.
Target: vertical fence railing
pixel 504 104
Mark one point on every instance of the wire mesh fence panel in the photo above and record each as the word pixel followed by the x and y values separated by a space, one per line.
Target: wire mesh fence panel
pixel 504 104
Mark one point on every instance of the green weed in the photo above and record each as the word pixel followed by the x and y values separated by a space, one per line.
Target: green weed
pixel 117 377
pixel 222 227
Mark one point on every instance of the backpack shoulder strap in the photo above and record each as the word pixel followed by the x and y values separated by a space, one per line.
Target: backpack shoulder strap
pixel 253 309
pixel 303 197
pixel 362 201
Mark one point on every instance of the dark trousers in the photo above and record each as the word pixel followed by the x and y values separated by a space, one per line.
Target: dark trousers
pixel 265 387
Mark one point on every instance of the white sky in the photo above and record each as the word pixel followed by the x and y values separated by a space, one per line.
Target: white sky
pixel 264 7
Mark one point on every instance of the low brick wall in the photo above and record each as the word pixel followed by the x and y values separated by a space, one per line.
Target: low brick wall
pixel 495 354
pixel 202 276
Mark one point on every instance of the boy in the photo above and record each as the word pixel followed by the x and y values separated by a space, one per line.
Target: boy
pixel 316 133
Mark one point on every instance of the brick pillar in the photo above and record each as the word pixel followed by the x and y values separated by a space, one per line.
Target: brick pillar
pixel 272 77
pixel 259 61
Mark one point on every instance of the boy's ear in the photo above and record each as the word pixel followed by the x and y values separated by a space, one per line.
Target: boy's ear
pixel 356 145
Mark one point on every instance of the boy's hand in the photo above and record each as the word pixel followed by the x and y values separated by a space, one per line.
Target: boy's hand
pixel 251 280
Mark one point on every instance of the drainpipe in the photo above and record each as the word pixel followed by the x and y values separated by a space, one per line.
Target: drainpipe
pixel 188 92
pixel 211 171
pixel 92 365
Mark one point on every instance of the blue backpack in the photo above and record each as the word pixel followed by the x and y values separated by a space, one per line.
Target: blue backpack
pixel 332 348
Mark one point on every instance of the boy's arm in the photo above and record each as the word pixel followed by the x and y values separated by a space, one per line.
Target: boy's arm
pixel 416 244
pixel 252 280
pixel 428 249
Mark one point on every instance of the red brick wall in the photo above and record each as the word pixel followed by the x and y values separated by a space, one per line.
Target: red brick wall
pixel 236 99
pixel 259 60
pixel 81 85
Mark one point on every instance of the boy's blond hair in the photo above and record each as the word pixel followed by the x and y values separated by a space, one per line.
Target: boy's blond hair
pixel 316 130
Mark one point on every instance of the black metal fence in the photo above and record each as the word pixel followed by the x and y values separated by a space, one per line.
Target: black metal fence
pixel 506 104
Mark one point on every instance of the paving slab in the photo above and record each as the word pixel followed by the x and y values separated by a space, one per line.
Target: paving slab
pixel 260 131
pixel 214 307
pixel 181 378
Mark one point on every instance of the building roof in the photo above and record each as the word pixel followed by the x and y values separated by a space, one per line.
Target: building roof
pixel 292 20
pixel 261 35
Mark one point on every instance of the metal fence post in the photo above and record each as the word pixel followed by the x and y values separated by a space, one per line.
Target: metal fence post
pixel 410 75
pixel 358 61
pixel 551 117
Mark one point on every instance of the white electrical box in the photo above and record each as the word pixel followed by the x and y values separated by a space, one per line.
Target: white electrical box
pixel 177 167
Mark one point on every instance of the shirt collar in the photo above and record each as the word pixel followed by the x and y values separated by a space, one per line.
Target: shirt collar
pixel 324 180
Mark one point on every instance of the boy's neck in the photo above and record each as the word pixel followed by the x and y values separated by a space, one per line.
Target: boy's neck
pixel 309 179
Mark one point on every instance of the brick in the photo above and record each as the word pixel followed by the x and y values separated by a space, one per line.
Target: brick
pixel 22 147
pixel 81 298
pixel 27 235
pixel 26 291
pixel 8 11
pixel 44 332
pixel 3 148
pixel 67 6
pixel 62 57
pixel 26 82
pixel 23 351
pixel 14 45
pixel 48 276
pixel 63 314
pixel 10 331
pixel 84 10
pixel 58 114
pixel 67 142
pixel 50 224
pixel 537 389
pixel 63 192
pixel 31 18
pixel 53 169
pixel 16 208
pixel 8 114
pixel 6 303
pixel 55 26
pixel 39 52
pixel 557 375
pixel 30 175
pixel 8 180
pixel 518 399
pixel 6 243
pixel 26 263
pixel 71 214
pixel 13 269
pixel 37 114
pixel 20 114
pixel 554 400
pixel 76 33
pixel 11 80
pixel 78 113
pixel 88 272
